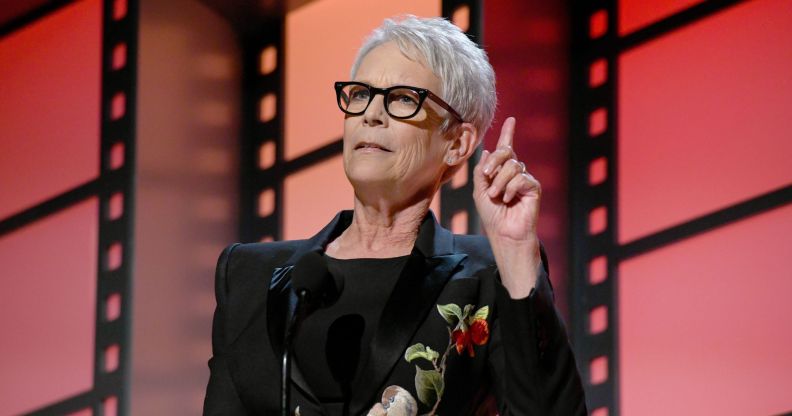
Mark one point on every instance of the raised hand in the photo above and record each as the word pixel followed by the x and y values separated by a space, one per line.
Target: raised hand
pixel 507 199
pixel 506 196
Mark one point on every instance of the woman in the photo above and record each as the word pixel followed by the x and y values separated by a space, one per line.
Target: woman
pixel 441 322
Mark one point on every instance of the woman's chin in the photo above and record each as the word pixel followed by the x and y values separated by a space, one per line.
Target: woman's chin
pixel 367 174
pixel 371 182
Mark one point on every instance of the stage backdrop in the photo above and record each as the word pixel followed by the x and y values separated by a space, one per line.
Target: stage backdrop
pixel 705 123
pixel 682 206
pixel 49 146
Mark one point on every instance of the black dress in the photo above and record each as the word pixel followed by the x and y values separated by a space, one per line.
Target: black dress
pixel 331 346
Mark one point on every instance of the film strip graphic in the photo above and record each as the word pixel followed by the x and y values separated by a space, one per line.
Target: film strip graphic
pixel 596 253
pixel 456 196
pixel 114 190
pixel 593 148
pixel 263 168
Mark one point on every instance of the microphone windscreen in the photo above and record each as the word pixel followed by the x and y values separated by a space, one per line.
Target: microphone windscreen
pixel 311 277
pixel 342 349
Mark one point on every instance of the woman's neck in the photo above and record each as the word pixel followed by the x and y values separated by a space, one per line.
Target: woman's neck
pixel 380 231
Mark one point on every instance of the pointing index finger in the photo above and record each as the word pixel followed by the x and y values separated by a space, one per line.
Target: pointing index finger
pixel 507 133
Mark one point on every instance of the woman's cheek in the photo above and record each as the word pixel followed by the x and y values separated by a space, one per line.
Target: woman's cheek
pixel 410 160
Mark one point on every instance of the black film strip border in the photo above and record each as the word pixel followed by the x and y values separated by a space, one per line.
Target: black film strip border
pixel 593 143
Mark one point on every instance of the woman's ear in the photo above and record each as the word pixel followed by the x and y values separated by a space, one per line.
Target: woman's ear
pixel 464 140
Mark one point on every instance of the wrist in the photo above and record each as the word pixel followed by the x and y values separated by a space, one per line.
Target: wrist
pixel 523 247
pixel 518 264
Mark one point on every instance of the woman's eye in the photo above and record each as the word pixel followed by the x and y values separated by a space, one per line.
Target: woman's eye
pixel 359 94
pixel 405 99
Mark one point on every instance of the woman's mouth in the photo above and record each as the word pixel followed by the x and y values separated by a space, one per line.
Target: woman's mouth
pixel 369 146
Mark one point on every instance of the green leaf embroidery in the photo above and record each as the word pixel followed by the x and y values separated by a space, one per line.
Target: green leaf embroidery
pixel 451 313
pixel 420 351
pixel 429 385
pixel 431 354
pixel 481 313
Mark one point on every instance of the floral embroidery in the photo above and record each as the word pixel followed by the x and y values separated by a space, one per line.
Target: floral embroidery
pixel 469 329
pixel 465 329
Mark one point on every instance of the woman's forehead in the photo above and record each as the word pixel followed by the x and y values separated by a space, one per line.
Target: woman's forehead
pixel 386 65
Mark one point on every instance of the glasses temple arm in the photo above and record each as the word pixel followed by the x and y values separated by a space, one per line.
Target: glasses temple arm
pixel 446 106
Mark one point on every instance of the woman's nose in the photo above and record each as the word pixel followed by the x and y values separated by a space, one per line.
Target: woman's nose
pixel 375 114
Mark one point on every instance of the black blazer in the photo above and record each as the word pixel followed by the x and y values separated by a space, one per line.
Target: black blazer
pixel 526 364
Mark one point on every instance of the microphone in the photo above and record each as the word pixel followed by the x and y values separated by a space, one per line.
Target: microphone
pixel 312 282
pixel 342 351
pixel 315 288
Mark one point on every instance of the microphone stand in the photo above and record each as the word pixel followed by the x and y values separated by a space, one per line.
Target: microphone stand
pixel 291 329
pixel 346 392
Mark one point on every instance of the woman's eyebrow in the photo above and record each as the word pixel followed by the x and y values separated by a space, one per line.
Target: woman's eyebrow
pixel 408 82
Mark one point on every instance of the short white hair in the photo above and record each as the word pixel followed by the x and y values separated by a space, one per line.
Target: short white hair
pixel 466 76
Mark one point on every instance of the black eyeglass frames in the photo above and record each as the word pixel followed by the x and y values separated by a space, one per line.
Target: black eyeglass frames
pixel 401 101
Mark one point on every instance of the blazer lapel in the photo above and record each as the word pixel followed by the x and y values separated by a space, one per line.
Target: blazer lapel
pixel 429 267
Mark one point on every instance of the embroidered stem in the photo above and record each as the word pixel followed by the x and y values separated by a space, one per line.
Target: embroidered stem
pixel 466 329
pixel 441 369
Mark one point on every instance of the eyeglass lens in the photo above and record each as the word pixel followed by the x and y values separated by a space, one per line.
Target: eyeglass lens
pixel 399 102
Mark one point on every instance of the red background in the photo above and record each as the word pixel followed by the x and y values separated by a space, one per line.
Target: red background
pixel 703 123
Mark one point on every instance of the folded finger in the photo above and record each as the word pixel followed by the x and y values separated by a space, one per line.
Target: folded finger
pixel 498 157
pixel 509 170
pixel 521 184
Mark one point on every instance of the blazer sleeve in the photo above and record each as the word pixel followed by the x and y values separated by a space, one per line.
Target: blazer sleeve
pixel 533 367
pixel 221 396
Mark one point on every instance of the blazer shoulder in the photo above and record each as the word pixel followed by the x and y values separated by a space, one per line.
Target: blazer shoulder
pixel 275 253
pixel 245 264
pixel 242 282
pixel 265 251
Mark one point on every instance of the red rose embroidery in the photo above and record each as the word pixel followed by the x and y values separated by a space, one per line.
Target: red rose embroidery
pixel 479 331
pixel 463 342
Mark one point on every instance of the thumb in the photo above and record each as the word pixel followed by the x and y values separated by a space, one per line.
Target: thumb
pixel 480 180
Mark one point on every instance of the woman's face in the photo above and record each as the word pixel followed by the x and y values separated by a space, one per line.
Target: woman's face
pixel 398 158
